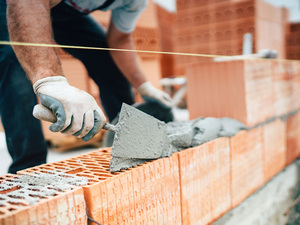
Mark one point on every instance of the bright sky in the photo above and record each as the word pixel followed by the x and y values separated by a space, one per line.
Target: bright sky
pixel 292 5
pixel 168 4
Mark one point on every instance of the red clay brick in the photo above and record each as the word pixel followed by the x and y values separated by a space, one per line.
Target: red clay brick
pixel 238 89
pixel 246 164
pixel 205 182
pixel 148 194
pixel 274 148
pixel 219 152
pixel 293 140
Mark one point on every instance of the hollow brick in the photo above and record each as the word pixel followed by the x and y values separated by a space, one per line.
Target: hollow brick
pixel 246 156
pixel 274 148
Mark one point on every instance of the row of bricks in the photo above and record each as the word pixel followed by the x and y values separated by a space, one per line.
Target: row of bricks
pixel 216 38
pixel 221 25
pixel 194 186
pixel 228 11
pixel 294 39
pixel 250 91
pixel 236 8
pixel 66 207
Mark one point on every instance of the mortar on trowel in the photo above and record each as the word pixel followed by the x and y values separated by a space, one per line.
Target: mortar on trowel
pixel 139 137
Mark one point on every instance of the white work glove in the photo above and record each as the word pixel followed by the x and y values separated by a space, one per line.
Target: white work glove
pixel 76 111
pixel 150 93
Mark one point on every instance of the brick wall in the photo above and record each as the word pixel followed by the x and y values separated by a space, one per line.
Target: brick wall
pixel 194 186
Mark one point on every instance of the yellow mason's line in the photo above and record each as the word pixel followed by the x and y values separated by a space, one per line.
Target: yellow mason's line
pixel 13 43
pixel 106 49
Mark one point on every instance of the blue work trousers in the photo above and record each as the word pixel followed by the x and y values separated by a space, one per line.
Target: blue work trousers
pixel 24 137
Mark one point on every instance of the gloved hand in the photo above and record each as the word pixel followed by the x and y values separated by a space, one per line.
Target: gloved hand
pixel 76 111
pixel 150 93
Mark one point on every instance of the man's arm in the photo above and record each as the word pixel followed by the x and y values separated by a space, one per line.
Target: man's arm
pixel 126 61
pixel 76 111
pixel 129 64
pixel 29 21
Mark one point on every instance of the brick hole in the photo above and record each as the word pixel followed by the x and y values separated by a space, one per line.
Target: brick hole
pixel 11 209
pixel 87 172
pixel 61 168
pixel 239 11
pixel 36 196
pixel 75 171
pixel 104 150
pixel 10 190
pixel 153 42
pixel 251 29
pixel 228 14
pixel 16 197
pixel 197 19
pixel 17 203
pixel 74 164
pixel 2 213
pixel 139 41
pixel 34 189
pixel 90 182
pixel 47 168
pixel 103 175
pixel 98 170
pixel 251 9
pixel 84 175
pixel 90 163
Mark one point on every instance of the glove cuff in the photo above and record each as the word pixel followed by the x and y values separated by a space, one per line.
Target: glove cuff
pixel 144 88
pixel 44 81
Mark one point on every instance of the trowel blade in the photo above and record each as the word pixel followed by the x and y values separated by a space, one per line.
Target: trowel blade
pixel 139 135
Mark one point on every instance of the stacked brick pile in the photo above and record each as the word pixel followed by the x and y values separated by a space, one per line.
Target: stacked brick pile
pixel 194 186
pixel 293 41
pixel 218 27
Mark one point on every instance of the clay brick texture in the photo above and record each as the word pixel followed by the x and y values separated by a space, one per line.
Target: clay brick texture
pixel 205 182
pixel 250 91
pixel 293 41
pixel 293 140
pixel 148 194
pixel 65 207
pixel 246 155
pixel 238 89
pixel 194 186
pixel 274 148
pixel 218 27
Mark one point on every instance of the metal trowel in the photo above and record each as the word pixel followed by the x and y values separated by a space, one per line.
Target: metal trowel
pixel 137 134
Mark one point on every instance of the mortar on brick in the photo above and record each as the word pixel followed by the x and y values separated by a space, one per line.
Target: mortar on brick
pixel 181 135
pixel 31 188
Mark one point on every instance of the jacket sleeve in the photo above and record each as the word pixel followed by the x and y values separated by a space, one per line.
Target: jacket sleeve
pixel 125 17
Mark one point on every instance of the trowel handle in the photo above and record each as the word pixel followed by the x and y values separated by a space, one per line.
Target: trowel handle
pixel 43 113
pixel 110 127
